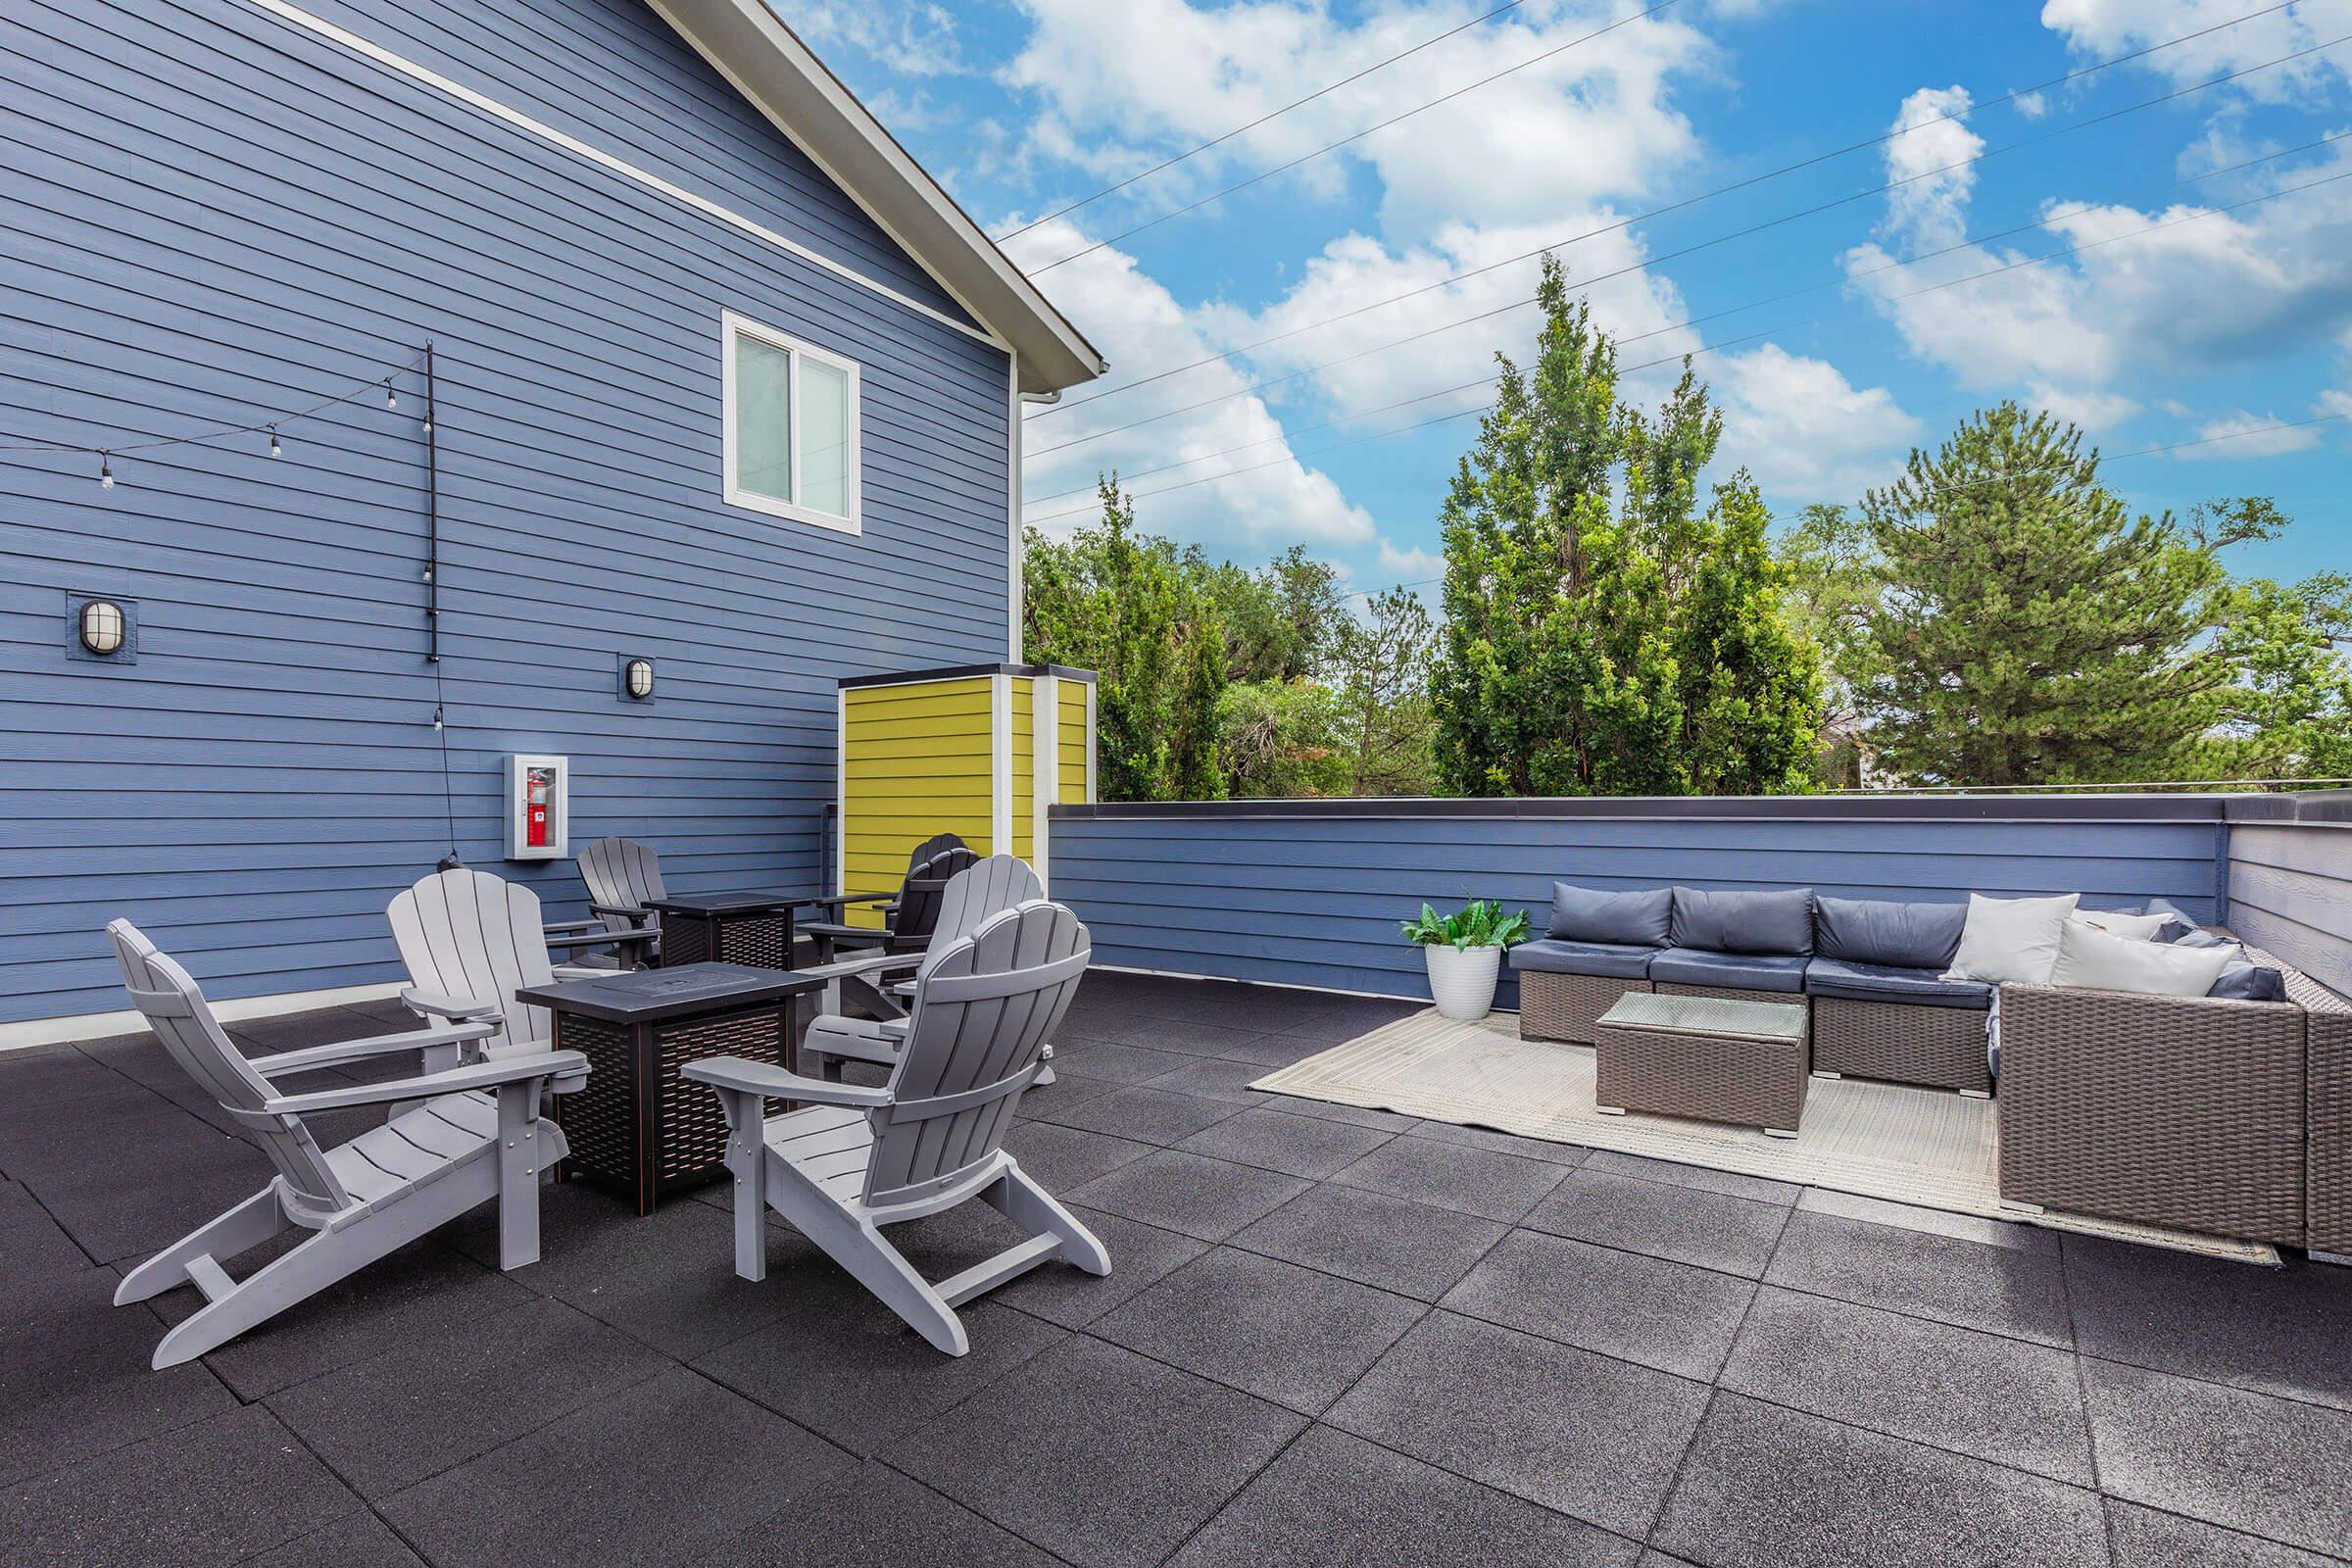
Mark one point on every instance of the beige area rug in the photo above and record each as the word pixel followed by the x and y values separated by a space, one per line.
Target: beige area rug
pixel 1910 1145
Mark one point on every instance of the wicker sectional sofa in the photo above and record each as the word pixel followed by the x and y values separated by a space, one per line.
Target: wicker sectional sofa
pixel 2221 1116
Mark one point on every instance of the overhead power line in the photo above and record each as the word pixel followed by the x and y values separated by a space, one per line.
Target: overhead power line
pixel 1972 278
pixel 1393 119
pixel 1271 114
pixel 1964 243
pixel 1709 195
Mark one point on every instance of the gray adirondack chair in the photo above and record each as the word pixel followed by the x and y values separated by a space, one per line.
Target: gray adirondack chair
pixel 908 916
pixel 854 1159
pixel 623 877
pixel 474 1133
pixel 471 941
pixel 884 981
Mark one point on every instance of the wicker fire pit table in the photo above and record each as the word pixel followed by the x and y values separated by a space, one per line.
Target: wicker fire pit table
pixel 1705 1056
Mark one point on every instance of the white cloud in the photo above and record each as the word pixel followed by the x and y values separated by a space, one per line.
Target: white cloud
pixel 1407 564
pixel 2249 435
pixel 1934 164
pixel 1138 323
pixel 1802 430
pixel 2104 29
pixel 2170 293
pixel 912 37
pixel 1122 85
pixel 2031 105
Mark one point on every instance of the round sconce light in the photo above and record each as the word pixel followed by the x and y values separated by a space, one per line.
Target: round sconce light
pixel 637 678
pixel 101 627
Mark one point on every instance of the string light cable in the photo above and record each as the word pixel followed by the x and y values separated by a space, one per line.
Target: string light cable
pixel 1970 242
pixel 1742 184
pixel 268 426
pixel 1271 115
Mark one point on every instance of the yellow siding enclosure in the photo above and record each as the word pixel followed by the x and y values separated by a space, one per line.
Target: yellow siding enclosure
pixel 977 751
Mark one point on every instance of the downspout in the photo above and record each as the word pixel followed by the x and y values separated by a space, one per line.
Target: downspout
pixel 1012 543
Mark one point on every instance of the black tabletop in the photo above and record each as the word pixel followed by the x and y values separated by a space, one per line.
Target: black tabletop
pixel 709 903
pixel 651 996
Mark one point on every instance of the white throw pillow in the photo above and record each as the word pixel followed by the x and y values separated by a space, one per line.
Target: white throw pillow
pixel 2092 958
pixel 2131 927
pixel 2010 939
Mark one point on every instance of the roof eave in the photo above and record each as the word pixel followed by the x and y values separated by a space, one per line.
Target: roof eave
pixel 780 76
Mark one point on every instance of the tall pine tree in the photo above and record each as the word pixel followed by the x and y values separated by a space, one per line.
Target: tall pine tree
pixel 2028 629
pixel 1605 636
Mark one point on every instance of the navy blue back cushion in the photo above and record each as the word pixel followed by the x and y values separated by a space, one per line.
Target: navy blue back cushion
pixel 1778 920
pixel 1913 936
pixel 1592 914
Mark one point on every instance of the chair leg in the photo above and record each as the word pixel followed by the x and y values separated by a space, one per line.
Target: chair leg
pixel 859 1247
pixel 1037 1211
pixel 242 1228
pixel 519 1174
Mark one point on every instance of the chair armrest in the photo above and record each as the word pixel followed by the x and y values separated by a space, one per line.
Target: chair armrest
pixel 493 1074
pixel 457 1009
pixel 835 931
pixel 627 911
pixel 872 963
pixel 602 938
pixel 555 928
pixel 582 971
pixel 742 1076
pixel 289 1062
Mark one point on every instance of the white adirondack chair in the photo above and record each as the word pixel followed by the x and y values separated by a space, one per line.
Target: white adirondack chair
pixel 855 1159
pixel 971 896
pixel 474 1133
pixel 471 941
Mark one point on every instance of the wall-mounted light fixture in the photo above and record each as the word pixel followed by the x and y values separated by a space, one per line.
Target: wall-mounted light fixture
pixel 102 628
pixel 637 679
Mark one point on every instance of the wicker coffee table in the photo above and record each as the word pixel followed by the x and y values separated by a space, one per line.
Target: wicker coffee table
pixel 636 1125
pixel 1704 1056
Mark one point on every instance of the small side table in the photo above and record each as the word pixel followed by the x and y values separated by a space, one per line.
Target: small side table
pixel 1704 1056
pixel 635 1125
pixel 746 928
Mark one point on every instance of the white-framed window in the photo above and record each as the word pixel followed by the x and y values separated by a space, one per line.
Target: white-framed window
pixel 791 412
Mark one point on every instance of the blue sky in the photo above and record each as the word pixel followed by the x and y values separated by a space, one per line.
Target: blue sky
pixel 2180 317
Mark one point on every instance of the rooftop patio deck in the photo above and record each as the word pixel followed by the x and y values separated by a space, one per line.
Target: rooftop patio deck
pixel 1330 1335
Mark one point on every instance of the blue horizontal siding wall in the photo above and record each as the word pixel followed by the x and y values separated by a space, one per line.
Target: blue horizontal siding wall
pixel 212 216
pixel 2290 881
pixel 1311 893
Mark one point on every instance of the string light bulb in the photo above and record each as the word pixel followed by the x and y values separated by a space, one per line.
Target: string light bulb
pixel 391 398
pixel 275 450
pixel 437 718
pixel 106 470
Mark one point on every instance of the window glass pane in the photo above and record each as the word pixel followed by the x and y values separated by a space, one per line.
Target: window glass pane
pixel 826 437
pixel 763 418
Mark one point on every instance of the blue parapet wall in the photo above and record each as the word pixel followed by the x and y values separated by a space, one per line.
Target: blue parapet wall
pixel 1310 892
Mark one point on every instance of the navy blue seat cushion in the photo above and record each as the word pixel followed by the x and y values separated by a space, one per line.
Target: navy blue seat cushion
pixel 1733 971
pixel 1596 914
pixel 1889 982
pixel 1774 920
pixel 2243 980
pixel 1617 960
pixel 1881 931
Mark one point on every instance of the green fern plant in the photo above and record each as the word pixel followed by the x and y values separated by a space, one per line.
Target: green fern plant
pixel 1480 923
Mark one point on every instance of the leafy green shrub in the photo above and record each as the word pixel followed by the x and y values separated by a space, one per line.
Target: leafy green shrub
pixel 1480 923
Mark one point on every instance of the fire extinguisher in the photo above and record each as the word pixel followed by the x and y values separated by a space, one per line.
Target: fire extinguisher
pixel 536 790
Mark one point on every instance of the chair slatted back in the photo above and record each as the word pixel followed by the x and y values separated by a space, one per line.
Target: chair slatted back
pixel 920 896
pixel 972 895
pixel 936 844
pixel 625 874
pixel 172 1004
pixel 982 1017
pixel 479 937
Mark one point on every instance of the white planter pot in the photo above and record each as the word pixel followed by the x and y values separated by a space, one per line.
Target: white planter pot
pixel 1462 981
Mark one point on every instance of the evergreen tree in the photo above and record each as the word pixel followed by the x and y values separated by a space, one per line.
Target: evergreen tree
pixel 2028 629
pixel 1381 671
pixel 1603 634
pixel 1127 607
